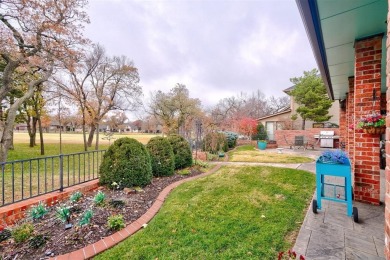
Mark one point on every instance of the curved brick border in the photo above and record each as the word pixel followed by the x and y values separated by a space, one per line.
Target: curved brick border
pixel 108 242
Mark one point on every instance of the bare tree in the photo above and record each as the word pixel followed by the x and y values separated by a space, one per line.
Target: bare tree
pixel 35 35
pixel 117 121
pixel 101 84
pixel 228 113
pixel 275 104
pixel 174 109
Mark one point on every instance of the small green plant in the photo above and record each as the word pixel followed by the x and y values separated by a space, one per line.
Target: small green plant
pixel 75 197
pixel 201 163
pixel 23 232
pixel 37 241
pixel 86 218
pixel 99 198
pixel 5 234
pixel 63 213
pixel 116 222
pixel 115 185
pixel 38 211
pixel 184 172
pixel 211 157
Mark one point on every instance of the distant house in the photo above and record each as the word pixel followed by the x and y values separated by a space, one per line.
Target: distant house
pixel 281 120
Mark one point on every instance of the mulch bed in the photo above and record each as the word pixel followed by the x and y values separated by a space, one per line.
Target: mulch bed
pixel 60 241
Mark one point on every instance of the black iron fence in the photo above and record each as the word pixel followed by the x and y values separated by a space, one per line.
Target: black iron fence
pixel 24 179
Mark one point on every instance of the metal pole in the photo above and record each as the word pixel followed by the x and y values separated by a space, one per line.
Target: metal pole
pixel 59 119
pixel 61 173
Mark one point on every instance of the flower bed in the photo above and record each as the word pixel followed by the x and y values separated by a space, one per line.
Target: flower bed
pixel 50 238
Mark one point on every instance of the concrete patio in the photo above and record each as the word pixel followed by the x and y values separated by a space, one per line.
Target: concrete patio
pixel 331 234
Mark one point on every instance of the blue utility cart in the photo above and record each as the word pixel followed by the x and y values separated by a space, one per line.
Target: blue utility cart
pixel 338 170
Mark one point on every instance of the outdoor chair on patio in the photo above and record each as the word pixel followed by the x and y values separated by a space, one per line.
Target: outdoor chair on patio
pixel 298 142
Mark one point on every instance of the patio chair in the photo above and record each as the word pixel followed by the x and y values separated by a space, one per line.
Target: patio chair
pixel 299 142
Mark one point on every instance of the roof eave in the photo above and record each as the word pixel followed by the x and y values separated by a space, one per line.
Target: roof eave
pixel 276 114
pixel 310 17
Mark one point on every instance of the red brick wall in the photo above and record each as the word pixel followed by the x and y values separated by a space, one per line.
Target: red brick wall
pixel 387 179
pixel 343 122
pixel 368 54
pixel 350 145
pixel 14 212
pixel 308 135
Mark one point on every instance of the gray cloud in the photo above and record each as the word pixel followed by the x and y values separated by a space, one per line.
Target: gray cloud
pixel 216 48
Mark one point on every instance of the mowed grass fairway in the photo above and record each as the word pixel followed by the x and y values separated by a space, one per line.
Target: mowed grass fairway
pixel 40 176
pixel 248 153
pixel 236 213
pixel 71 143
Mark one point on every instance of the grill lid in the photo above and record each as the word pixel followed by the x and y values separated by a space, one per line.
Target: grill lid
pixel 326 132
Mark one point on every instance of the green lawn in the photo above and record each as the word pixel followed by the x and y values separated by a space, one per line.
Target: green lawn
pixel 237 213
pixel 40 176
pixel 24 151
pixel 248 153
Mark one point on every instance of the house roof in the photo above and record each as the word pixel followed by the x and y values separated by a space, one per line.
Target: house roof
pixel 287 90
pixel 285 110
pixel 333 26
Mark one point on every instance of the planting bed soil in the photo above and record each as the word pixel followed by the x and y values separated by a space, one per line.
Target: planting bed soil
pixel 57 241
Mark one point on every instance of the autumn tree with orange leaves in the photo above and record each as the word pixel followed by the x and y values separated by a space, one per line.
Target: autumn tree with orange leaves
pixel 36 36
pixel 247 126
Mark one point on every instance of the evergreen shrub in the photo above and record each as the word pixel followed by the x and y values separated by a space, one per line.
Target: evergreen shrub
pixel 126 162
pixel 162 157
pixel 181 150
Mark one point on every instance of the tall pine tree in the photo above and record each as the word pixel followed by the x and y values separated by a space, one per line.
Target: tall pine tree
pixel 311 96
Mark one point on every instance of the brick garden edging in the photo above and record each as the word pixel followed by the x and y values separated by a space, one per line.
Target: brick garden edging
pixel 108 242
pixel 11 213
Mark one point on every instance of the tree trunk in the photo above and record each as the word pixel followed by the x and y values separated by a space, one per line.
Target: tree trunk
pixel 33 132
pixel 84 136
pixel 303 124
pixel 91 134
pixel 41 136
pixel 6 128
pixel 11 147
pixel 97 138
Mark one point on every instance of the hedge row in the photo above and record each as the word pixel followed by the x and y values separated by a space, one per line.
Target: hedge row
pixel 128 163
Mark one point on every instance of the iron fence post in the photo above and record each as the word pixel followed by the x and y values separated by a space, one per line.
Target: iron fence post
pixel 61 173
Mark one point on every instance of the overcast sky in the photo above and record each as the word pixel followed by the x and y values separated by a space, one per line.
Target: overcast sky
pixel 217 48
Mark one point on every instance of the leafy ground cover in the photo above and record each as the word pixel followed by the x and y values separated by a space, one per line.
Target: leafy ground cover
pixel 47 235
pixel 238 213
pixel 248 153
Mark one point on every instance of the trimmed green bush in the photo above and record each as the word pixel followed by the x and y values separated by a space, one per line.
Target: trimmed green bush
pixel 181 150
pixel 126 162
pixel 162 157
pixel 261 133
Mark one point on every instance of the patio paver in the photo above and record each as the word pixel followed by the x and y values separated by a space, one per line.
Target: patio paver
pixel 331 234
